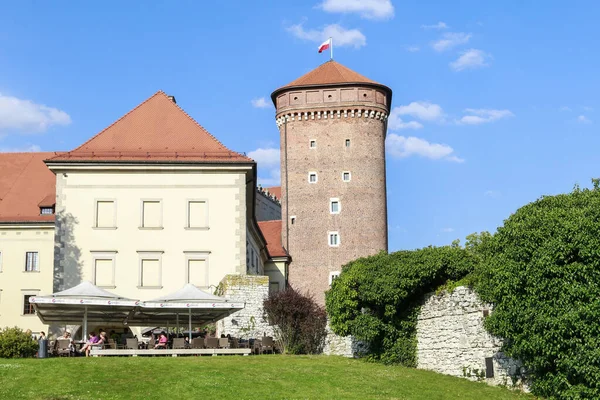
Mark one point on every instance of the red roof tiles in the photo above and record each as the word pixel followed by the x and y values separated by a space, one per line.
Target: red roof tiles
pixel 26 184
pixel 271 230
pixel 275 191
pixel 329 73
pixel 156 130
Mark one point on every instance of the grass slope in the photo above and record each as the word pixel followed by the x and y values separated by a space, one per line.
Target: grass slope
pixel 255 377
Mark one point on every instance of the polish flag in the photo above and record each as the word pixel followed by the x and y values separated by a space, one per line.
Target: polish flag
pixel 325 45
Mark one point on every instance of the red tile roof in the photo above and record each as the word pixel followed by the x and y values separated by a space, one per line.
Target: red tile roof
pixel 271 230
pixel 156 130
pixel 275 191
pixel 329 73
pixel 25 185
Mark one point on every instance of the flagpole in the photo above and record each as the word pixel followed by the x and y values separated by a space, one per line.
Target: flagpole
pixel 331 48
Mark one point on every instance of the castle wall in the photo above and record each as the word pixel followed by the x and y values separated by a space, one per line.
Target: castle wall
pixel 347 132
pixel 266 208
pixel 452 340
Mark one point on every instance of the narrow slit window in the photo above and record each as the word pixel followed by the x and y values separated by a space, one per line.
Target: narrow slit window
pixel 334 239
pixel 313 144
pixel 312 177
pixel 346 176
pixel 347 142
pixel 334 206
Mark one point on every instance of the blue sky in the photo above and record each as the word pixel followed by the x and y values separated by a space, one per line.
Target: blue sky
pixel 495 103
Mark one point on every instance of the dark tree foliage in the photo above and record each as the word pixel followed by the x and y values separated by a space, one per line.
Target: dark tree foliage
pixel 299 322
pixel 14 343
pixel 377 299
pixel 542 272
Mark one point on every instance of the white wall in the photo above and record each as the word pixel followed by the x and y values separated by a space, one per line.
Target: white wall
pixel 223 241
pixel 15 241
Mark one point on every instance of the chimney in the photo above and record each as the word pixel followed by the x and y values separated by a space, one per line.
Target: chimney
pixel 172 98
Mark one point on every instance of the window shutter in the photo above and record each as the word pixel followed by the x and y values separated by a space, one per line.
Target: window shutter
pixel 104 273
pixel 150 273
pixel 105 214
pixel 197 217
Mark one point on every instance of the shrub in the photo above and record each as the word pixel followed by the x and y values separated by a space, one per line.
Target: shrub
pixel 14 343
pixel 299 323
pixel 377 299
pixel 542 272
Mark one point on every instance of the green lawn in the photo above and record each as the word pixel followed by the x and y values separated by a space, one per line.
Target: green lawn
pixel 233 377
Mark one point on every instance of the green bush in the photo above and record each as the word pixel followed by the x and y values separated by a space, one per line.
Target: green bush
pixel 377 299
pixel 542 272
pixel 299 323
pixel 14 343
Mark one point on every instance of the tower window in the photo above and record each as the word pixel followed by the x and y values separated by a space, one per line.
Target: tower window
pixel 313 144
pixel 333 276
pixel 346 176
pixel 293 220
pixel 312 177
pixel 334 239
pixel 334 206
pixel 347 142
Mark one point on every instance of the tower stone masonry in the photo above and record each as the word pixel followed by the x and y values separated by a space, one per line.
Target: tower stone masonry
pixel 332 124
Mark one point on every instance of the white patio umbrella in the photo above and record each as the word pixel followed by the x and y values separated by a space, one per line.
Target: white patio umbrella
pixel 85 302
pixel 188 300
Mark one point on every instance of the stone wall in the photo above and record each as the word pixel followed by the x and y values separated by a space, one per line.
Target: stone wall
pixel 451 340
pixel 345 346
pixel 249 322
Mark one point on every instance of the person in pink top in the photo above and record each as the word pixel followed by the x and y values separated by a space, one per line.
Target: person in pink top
pixel 91 341
pixel 162 341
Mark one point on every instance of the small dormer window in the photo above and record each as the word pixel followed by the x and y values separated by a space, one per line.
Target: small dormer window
pixel 46 210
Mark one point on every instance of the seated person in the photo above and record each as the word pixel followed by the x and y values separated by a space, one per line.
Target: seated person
pixel 162 341
pixel 88 345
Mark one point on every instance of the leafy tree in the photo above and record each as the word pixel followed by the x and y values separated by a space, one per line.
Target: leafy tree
pixel 14 343
pixel 542 272
pixel 299 323
pixel 376 299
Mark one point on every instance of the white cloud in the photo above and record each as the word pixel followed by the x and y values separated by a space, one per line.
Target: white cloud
pixel 26 116
pixel 450 40
pixel 587 108
pixel 439 26
pixel 341 36
pixel 412 49
pixel 402 147
pixel 422 110
pixel 471 58
pixel 483 115
pixel 261 102
pixel 396 123
pixel 447 230
pixel 371 9
pixel 26 149
pixel 268 160
pixel 583 119
pixel 565 108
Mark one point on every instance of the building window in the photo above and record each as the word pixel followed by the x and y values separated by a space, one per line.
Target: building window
pixel 346 176
pixel 293 219
pixel 32 261
pixel 150 274
pixel 347 142
pixel 334 239
pixel 312 177
pixel 334 206
pixel 27 306
pixel 151 214
pixel 46 210
pixel 103 264
pixel 197 269
pixel 333 276
pixel 313 144
pixel 105 214
pixel 197 214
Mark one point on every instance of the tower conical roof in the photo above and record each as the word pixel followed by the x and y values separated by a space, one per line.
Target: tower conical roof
pixel 330 73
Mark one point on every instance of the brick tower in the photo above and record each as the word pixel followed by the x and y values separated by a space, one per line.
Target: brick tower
pixel 332 123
